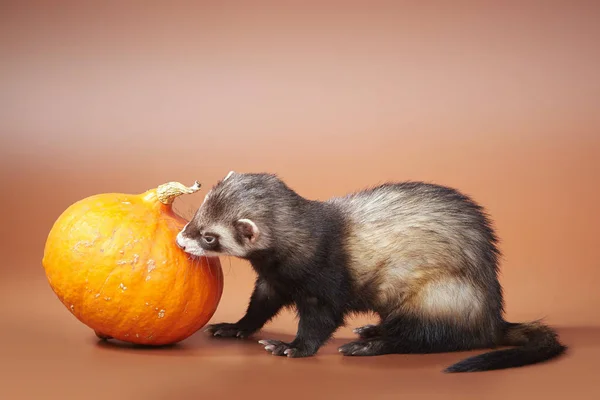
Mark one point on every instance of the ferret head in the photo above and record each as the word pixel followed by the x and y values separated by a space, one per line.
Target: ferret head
pixel 234 219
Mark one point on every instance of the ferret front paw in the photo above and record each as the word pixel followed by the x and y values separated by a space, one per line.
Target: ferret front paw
pixel 363 348
pixel 225 330
pixel 368 331
pixel 279 348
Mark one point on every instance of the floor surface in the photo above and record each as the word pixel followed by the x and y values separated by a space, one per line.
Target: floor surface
pixel 47 354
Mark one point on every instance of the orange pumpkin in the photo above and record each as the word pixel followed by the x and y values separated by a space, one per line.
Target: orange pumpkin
pixel 112 260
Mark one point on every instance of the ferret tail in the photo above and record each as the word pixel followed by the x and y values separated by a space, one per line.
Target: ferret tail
pixel 535 343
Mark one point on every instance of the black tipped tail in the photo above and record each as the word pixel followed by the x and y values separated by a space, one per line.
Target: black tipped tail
pixel 536 343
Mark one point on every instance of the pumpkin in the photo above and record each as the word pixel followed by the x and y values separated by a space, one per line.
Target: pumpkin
pixel 112 260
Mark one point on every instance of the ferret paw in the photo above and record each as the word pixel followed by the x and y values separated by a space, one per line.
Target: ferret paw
pixel 279 348
pixel 368 331
pixel 362 348
pixel 225 330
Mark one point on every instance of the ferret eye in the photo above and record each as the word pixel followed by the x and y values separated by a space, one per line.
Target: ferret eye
pixel 209 239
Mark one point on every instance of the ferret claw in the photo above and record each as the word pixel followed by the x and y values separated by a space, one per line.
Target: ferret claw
pixel 227 331
pixel 275 347
pixel 368 331
pixel 289 352
pixel 279 348
pixel 268 347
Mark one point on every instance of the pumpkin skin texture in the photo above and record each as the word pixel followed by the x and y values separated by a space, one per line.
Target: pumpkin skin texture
pixel 112 260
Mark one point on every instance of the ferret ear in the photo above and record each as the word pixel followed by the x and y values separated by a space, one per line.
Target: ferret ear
pixel 228 175
pixel 247 229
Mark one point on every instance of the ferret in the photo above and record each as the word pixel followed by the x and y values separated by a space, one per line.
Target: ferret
pixel 421 256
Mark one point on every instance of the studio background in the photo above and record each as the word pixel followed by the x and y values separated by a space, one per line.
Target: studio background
pixel 499 100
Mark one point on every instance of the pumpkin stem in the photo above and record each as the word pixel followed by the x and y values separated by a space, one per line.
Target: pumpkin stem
pixel 168 192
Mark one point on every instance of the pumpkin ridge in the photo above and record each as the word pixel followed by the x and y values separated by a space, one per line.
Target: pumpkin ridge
pixel 180 315
pixel 160 300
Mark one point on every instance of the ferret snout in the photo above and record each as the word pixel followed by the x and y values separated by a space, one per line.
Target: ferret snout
pixel 180 241
pixel 187 244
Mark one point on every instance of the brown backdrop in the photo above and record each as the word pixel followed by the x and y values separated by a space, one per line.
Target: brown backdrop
pixel 500 101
